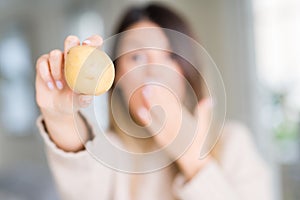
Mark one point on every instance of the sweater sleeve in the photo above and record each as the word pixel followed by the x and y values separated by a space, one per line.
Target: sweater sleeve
pixel 77 175
pixel 239 174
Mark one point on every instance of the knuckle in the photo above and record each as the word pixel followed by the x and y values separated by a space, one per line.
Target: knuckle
pixel 97 37
pixel 56 74
pixel 42 70
pixel 55 53
pixel 71 37
pixel 55 64
pixel 44 73
pixel 40 60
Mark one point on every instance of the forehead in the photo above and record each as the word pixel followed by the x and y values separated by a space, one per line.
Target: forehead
pixel 143 35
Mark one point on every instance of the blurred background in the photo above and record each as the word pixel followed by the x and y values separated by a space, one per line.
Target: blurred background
pixel 255 44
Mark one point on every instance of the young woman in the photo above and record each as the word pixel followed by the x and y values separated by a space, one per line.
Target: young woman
pixel 145 78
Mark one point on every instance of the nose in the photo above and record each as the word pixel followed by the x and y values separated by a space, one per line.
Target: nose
pixel 155 63
pixel 152 70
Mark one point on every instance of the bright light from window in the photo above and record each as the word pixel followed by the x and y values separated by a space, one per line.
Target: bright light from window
pixel 17 107
pixel 277 32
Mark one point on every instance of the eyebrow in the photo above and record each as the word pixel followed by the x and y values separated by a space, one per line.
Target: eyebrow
pixel 133 43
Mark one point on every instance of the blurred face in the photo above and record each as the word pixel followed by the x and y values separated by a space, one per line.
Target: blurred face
pixel 146 61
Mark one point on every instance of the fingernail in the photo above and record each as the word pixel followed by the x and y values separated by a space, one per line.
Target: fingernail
pixel 146 91
pixel 86 42
pixel 59 85
pixel 50 85
pixel 85 101
pixel 143 114
pixel 86 98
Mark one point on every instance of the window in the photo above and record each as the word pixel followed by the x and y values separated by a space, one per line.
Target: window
pixel 277 31
pixel 17 102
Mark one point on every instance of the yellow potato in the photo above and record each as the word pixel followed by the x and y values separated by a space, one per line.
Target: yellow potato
pixel 88 70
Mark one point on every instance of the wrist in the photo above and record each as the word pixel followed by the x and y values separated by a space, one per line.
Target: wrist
pixel 68 131
pixel 53 115
pixel 190 167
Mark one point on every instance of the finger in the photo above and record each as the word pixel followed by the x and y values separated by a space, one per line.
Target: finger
pixel 147 92
pixel 94 40
pixel 70 41
pixel 152 97
pixel 144 117
pixel 144 111
pixel 56 63
pixel 156 118
pixel 44 71
pixel 85 100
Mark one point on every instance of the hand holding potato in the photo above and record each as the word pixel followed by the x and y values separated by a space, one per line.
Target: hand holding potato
pixel 58 103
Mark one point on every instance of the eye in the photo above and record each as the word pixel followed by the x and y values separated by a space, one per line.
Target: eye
pixel 171 56
pixel 139 57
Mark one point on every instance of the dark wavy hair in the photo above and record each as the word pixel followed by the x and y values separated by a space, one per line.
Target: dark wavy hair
pixel 166 18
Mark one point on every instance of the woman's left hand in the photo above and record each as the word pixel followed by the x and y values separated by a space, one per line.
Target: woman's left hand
pixel 166 126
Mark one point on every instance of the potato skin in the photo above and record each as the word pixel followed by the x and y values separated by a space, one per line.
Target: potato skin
pixel 88 70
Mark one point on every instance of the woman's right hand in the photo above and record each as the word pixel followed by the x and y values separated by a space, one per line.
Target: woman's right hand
pixel 57 102
pixel 53 95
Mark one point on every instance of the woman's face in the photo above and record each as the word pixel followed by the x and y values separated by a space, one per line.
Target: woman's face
pixel 145 60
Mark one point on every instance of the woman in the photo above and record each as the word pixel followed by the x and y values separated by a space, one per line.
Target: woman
pixel 153 76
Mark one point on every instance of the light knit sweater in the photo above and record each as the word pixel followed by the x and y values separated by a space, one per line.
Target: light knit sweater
pixel 239 174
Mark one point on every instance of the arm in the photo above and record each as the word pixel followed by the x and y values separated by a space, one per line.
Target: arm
pixel 240 173
pixel 57 102
pixel 77 175
pixel 75 132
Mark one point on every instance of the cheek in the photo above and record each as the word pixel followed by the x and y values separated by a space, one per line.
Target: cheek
pixel 128 79
pixel 176 81
pixel 125 67
pixel 180 81
pixel 120 69
pixel 180 85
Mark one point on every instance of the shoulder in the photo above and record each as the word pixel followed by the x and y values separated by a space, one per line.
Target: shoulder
pixel 236 134
pixel 237 147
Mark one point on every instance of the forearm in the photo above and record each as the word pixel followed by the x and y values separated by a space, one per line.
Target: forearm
pixel 210 182
pixel 68 132
pixel 190 166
